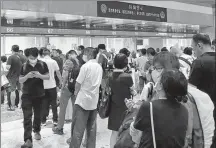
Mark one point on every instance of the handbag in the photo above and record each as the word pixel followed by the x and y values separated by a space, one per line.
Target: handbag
pixel 152 125
pixel 104 103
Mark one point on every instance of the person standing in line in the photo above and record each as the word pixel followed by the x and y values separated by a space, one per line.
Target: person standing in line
pixel 71 65
pixel 203 69
pixel 120 84
pixel 14 65
pixel 80 52
pixel 141 61
pixel 32 75
pixel 50 97
pixel 87 95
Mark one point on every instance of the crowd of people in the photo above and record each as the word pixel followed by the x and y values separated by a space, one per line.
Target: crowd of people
pixel 175 88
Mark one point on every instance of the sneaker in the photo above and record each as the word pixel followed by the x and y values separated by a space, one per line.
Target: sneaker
pixel 55 123
pixel 37 136
pixel 12 108
pixel 8 108
pixel 58 131
pixel 68 141
pixel 27 144
pixel 43 124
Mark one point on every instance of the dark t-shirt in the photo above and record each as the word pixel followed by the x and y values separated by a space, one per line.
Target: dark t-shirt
pixel 120 84
pixel 34 86
pixel 203 74
pixel 81 61
pixel 170 124
pixel 16 64
pixel 23 59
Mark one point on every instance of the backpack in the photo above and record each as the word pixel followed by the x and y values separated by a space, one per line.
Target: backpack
pixel 186 61
pixel 72 76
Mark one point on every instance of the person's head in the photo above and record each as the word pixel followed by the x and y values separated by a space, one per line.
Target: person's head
pixel 44 52
pixel 21 52
pixel 101 47
pixel 201 43
pixel 188 51
pixel 164 49
pixel 3 59
pixel 125 51
pixel 176 51
pixel 120 61
pixel 55 53
pixel 72 54
pixel 89 53
pixel 173 85
pixel 59 52
pixel 80 50
pixel 214 45
pixel 112 50
pixel 150 53
pixel 15 49
pixel 32 54
pixel 143 51
pixel 163 61
pixel 133 54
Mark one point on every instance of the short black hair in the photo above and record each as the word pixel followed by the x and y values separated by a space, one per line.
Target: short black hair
pixel 120 61
pixel 167 60
pixel 21 51
pixel 203 38
pixel 59 51
pixel 143 51
pixel 164 49
pixel 151 51
pixel 214 42
pixel 174 84
pixel 15 48
pixel 102 46
pixel 188 51
pixel 72 52
pixel 89 51
pixel 125 51
pixel 81 47
pixel 3 59
pixel 31 52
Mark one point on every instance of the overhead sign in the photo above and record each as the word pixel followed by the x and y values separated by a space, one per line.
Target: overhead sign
pixel 122 10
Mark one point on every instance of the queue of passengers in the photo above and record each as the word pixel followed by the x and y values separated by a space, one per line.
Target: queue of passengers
pixel 175 108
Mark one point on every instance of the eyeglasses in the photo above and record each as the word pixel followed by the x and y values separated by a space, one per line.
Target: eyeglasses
pixel 158 69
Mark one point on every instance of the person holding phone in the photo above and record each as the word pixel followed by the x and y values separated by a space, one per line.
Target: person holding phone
pixel 32 75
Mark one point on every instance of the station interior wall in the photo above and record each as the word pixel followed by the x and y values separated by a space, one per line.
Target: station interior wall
pixel 68 43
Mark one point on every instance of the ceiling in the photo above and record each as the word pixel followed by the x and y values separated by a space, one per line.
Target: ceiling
pixel 206 3
pixel 65 21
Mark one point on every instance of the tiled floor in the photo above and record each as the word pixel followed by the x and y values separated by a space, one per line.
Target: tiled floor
pixel 12 136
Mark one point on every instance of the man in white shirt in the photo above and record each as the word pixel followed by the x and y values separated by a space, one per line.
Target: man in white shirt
pixel 87 95
pixel 50 87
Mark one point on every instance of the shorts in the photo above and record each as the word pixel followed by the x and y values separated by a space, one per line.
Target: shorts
pixel 14 84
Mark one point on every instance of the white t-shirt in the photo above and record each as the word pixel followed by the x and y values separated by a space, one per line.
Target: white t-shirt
pixel 90 78
pixel 141 61
pixel 52 66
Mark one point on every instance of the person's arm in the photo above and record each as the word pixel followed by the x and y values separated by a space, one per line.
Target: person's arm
pixel 45 75
pixel 58 73
pixel 9 62
pixel 196 73
pixel 80 79
pixel 24 77
pixel 64 78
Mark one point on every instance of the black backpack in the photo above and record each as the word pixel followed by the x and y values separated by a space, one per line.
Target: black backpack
pixel 72 76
